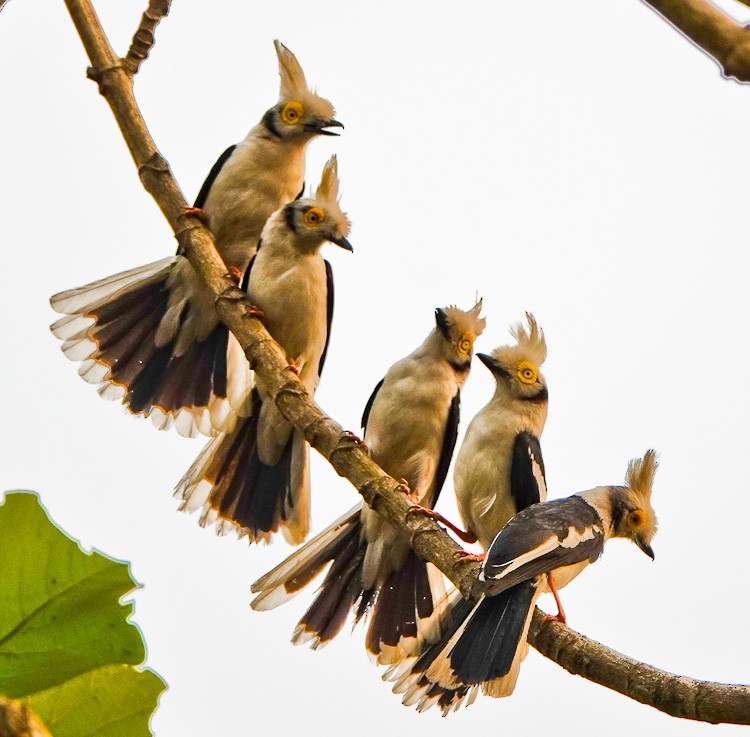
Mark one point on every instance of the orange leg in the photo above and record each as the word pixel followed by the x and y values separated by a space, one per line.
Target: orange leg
pixel 560 611
pixel 465 535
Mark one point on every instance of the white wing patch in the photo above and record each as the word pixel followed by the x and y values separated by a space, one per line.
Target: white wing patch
pixel 574 538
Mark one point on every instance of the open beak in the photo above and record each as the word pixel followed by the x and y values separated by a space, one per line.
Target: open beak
pixel 319 127
pixel 647 549
pixel 341 242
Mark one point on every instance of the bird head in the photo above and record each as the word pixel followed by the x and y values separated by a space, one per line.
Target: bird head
pixel 632 514
pixel 300 113
pixel 315 220
pixel 517 367
pixel 458 329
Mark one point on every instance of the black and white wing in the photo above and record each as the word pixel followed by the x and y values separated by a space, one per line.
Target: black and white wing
pixel 200 200
pixel 541 538
pixel 449 445
pixel 527 481
pixel 329 313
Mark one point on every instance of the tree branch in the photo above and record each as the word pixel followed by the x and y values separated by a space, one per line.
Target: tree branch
pixel 143 40
pixel 675 695
pixel 16 720
pixel 711 30
pixel 347 457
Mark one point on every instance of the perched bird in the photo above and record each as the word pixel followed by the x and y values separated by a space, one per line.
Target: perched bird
pixel 411 423
pixel 255 478
pixel 150 336
pixel 481 647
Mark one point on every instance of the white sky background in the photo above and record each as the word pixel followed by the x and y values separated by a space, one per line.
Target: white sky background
pixel 579 159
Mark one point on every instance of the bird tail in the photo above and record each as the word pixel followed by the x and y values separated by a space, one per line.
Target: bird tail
pixel 405 611
pixel 481 645
pixel 139 338
pixel 237 491
pixel 340 545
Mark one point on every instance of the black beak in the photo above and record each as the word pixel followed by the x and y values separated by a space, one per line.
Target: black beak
pixel 491 363
pixel 319 127
pixel 647 549
pixel 341 242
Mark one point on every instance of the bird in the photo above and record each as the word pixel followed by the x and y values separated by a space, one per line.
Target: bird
pixel 483 648
pixel 150 336
pixel 410 427
pixel 254 479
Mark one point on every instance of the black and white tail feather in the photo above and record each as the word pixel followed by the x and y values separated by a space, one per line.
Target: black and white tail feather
pixel 396 618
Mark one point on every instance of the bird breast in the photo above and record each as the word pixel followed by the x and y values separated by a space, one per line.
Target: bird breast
pixel 291 289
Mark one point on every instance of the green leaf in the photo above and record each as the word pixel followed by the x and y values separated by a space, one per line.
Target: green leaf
pixel 114 701
pixel 60 614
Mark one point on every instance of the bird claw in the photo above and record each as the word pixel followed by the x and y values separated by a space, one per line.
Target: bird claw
pixel 253 311
pixel 235 274
pixel 559 617
pixel 462 556
pixel 356 440
pixel 293 367
pixel 195 211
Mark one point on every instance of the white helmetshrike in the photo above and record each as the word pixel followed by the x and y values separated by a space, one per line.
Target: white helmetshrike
pixel 481 646
pixel 255 478
pixel 411 424
pixel 150 336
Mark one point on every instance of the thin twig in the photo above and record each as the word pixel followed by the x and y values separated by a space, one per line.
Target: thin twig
pixel 712 31
pixel 144 39
pixel 379 490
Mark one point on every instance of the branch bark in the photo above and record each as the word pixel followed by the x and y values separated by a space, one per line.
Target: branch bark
pixel 720 36
pixel 17 720
pixel 379 490
pixel 144 38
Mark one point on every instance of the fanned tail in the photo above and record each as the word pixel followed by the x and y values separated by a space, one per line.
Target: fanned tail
pixel 237 491
pixel 405 611
pixel 140 338
pixel 481 645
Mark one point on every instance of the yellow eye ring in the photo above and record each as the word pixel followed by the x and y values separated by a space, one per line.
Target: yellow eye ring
pixel 637 518
pixel 526 373
pixel 464 346
pixel 292 113
pixel 313 216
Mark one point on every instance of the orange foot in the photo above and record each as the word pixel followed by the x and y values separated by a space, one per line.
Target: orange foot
pixel 463 557
pixel 235 275
pixel 293 367
pixel 196 211
pixel 254 312
pixel 467 537
pixel 356 439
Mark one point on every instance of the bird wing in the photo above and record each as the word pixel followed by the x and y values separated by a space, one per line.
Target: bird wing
pixel 329 314
pixel 541 538
pixel 370 402
pixel 200 200
pixel 449 444
pixel 527 480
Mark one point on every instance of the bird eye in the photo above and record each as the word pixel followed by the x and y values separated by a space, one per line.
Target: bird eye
pixel 526 373
pixel 313 216
pixel 464 345
pixel 292 113
pixel 637 518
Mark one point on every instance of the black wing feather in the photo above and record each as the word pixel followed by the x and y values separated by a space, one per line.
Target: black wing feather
pixel 449 444
pixel 200 200
pixel 527 454
pixel 370 402
pixel 530 529
pixel 329 314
